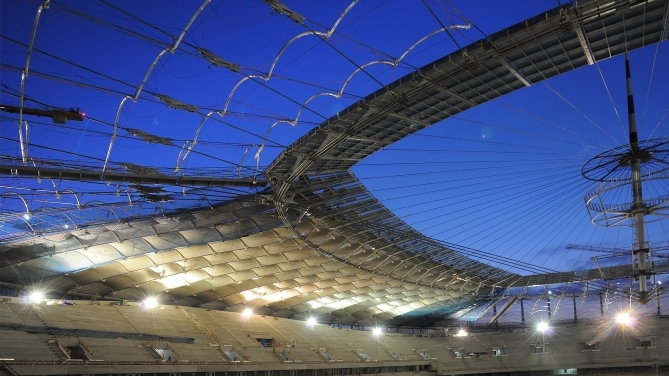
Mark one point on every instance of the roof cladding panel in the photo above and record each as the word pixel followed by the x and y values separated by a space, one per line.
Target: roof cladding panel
pixel 166 241
pixel 165 257
pixel 196 250
pixel 136 263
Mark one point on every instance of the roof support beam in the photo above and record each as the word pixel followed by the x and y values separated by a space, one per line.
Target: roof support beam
pixel 506 307
pixel 511 68
pixel 585 45
pixel 89 175
pixel 580 35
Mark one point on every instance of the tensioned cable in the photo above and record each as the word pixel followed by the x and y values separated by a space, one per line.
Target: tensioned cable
pixel 459 162
pixel 124 30
pixel 358 66
pixel 579 111
pixel 488 142
pixel 501 200
pixel 495 193
pixel 78 83
pixel 190 146
pixel 164 45
pixel 136 18
pixel 492 178
pixel 473 181
pixel 471 252
pixel 176 146
pixel 574 134
pixel 477 151
pixel 134 138
pixel 476 192
pixel 650 81
pixel 384 54
pixel 547 212
pixel 442 172
pixel 610 96
pixel 56 149
pixel 79 13
pixel 434 15
pixel 130 86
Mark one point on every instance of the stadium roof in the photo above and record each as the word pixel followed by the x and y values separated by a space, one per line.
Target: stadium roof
pixel 126 204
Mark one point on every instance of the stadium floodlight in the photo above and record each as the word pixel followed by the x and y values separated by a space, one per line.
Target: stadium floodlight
pixel 462 333
pixel 247 312
pixel 543 326
pixel 624 318
pixel 36 296
pixel 150 302
pixel 311 321
pixel 377 331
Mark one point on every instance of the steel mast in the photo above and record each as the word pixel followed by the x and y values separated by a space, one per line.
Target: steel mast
pixel 625 168
pixel 638 209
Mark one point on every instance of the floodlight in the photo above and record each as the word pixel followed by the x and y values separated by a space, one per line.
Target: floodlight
pixel 150 302
pixel 36 296
pixel 377 331
pixel 247 312
pixel 543 326
pixel 462 333
pixel 624 318
pixel 311 321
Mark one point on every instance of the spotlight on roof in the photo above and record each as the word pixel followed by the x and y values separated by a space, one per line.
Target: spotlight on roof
pixel 377 331
pixel 462 333
pixel 624 318
pixel 150 302
pixel 36 297
pixel 311 321
pixel 543 326
pixel 247 312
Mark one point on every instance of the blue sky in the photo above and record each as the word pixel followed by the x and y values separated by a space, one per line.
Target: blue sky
pixel 503 178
